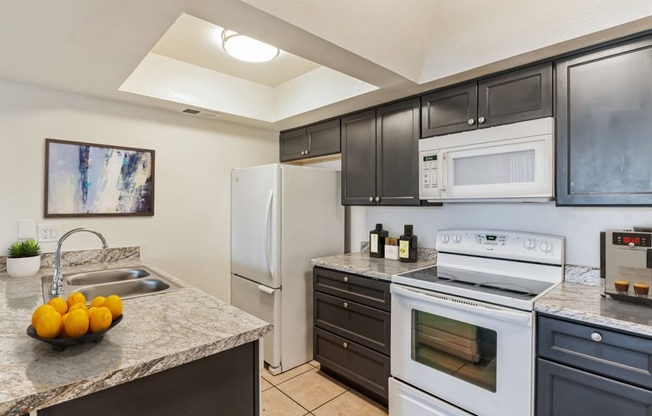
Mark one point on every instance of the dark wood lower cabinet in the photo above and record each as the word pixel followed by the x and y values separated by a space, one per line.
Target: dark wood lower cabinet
pixel 226 383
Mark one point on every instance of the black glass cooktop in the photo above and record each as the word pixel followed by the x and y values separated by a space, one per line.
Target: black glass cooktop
pixel 513 287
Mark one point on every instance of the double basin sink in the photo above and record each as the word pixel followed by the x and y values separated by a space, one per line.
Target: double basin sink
pixel 127 283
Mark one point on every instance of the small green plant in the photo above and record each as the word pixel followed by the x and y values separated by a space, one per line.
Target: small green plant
pixel 27 248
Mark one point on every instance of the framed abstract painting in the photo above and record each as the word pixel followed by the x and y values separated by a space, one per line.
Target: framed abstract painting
pixel 89 179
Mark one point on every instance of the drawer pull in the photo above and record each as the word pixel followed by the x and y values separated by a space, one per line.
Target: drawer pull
pixel 346 305
pixel 346 279
pixel 596 337
pixel 345 344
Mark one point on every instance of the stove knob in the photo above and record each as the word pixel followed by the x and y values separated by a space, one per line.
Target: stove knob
pixel 457 238
pixel 529 244
pixel 546 247
pixel 444 239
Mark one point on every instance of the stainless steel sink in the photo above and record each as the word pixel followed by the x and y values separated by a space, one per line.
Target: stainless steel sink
pixel 126 283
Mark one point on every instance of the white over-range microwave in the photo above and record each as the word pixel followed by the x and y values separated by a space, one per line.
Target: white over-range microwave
pixel 514 162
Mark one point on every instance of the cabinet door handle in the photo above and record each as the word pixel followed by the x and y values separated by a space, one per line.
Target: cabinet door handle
pixel 346 279
pixel 481 120
pixel 377 199
pixel 307 151
pixel 596 337
pixel 371 199
pixel 346 305
pixel 345 344
pixel 471 122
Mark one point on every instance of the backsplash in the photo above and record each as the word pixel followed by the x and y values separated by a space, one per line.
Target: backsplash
pixel 81 257
pixel 423 253
pixel 582 274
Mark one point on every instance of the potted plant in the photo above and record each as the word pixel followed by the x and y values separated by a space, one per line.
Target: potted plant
pixel 24 258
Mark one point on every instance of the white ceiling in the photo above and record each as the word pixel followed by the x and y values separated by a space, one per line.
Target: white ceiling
pixel 402 47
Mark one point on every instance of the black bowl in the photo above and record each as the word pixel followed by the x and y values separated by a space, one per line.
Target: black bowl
pixel 60 344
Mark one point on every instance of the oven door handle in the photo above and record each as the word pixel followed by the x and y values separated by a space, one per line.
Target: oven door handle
pixel 463 304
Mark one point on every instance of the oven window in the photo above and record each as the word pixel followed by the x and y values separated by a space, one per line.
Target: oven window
pixel 464 351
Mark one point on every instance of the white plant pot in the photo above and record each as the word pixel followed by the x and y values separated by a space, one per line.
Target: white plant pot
pixel 24 266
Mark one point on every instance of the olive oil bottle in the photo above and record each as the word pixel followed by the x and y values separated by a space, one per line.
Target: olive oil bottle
pixel 407 246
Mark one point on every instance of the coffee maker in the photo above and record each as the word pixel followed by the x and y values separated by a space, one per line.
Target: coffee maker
pixel 626 264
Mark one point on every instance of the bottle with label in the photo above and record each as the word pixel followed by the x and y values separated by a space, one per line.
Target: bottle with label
pixel 407 246
pixel 377 241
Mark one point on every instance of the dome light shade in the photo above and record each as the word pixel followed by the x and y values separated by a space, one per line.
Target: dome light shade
pixel 247 49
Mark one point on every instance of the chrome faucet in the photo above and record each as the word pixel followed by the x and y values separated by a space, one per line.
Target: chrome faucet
pixel 57 278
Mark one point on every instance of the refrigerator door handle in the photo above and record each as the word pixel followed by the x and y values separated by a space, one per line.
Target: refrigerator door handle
pixel 268 234
pixel 266 289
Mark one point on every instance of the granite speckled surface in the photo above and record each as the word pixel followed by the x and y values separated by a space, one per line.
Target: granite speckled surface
pixel 584 303
pixel 157 332
pixel 83 257
pixel 582 274
pixel 360 263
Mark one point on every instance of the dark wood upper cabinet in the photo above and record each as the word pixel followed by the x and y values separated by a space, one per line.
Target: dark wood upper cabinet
pixel 520 95
pixel 604 120
pixel 312 141
pixel 380 156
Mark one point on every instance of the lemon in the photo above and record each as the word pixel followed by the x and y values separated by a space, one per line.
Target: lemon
pixel 100 319
pixel 97 301
pixel 49 325
pixel 40 311
pixel 75 297
pixel 76 306
pixel 59 304
pixel 114 303
pixel 76 323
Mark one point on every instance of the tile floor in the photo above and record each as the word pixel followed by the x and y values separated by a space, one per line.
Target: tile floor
pixel 306 391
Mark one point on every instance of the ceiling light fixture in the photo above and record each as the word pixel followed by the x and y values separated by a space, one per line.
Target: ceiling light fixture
pixel 247 49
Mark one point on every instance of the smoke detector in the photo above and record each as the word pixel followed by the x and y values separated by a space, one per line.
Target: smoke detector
pixel 200 113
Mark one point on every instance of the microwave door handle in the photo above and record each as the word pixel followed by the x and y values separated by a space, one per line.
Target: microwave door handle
pixel 468 306
pixel 444 173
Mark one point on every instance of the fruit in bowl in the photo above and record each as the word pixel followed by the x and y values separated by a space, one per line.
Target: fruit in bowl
pixel 68 322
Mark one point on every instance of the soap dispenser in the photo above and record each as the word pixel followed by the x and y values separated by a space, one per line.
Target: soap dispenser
pixel 407 246
pixel 377 241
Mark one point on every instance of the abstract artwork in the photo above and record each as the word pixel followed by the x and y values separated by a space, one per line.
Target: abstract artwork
pixel 88 179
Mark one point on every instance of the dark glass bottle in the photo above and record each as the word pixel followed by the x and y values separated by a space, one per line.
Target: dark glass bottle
pixel 407 246
pixel 377 241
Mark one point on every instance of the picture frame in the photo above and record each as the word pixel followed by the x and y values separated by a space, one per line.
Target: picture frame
pixel 95 180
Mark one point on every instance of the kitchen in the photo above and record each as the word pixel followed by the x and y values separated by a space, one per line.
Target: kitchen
pixel 189 235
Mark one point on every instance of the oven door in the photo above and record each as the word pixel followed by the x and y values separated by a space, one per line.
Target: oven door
pixel 476 356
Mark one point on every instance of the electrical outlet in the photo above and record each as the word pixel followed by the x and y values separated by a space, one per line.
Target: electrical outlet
pixel 48 232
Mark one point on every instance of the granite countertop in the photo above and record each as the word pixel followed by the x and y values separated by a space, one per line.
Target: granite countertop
pixel 157 332
pixel 584 303
pixel 360 263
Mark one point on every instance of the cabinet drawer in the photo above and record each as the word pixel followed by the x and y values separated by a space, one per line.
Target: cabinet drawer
pixel 362 324
pixel 613 354
pixel 565 391
pixel 350 361
pixel 364 290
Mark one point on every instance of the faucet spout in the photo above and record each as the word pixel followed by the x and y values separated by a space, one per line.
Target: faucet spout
pixel 57 278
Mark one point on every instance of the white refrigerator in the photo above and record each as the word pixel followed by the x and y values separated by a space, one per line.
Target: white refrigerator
pixel 281 217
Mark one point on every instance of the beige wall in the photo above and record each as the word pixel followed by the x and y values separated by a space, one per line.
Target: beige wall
pixel 189 236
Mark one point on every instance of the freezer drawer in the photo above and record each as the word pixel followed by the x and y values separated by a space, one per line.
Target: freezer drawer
pixel 264 303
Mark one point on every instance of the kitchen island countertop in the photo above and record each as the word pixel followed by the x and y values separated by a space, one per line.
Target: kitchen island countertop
pixel 362 264
pixel 584 303
pixel 157 332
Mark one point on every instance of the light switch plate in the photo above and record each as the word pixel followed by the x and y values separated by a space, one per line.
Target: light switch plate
pixel 26 229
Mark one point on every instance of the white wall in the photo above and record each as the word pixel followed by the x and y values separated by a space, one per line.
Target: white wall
pixel 580 225
pixel 189 235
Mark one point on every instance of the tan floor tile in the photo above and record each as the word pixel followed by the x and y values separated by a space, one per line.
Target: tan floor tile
pixel 286 375
pixel 349 404
pixel 314 363
pixel 275 403
pixel 264 384
pixel 312 389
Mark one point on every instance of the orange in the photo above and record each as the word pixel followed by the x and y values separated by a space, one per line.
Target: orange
pixel 75 297
pixel 40 311
pixel 100 319
pixel 59 304
pixel 76 323
pixel 76 306
pixel 49 325
pixel 63 327
pixel 97 301
pixel 114 303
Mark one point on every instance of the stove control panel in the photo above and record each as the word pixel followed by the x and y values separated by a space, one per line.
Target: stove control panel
pixel 534 247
